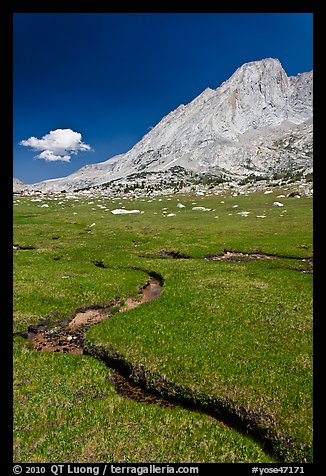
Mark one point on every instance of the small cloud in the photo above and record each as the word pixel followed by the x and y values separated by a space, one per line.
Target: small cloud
pixel 50 156
pixel 59 144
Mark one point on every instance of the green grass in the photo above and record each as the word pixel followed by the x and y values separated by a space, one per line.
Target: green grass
pixel 251 351
pixel 239 333
pixel 66 410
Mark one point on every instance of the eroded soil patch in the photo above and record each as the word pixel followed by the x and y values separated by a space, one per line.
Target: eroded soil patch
pixel 236 256
pixel 99 264
pixel 149 292
pixel 17 247
pixel 88 317
pixel 127 388
pixel 173 254
pixel 59 341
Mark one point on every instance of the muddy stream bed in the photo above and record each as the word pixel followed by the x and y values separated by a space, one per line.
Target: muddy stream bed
pixel 68 337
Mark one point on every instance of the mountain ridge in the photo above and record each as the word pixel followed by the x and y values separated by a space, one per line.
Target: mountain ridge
pixel 259 121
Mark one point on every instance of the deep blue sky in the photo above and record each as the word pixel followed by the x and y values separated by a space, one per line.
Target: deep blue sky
pixel 113 76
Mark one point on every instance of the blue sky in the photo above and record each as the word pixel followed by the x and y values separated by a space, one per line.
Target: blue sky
pixel 111 77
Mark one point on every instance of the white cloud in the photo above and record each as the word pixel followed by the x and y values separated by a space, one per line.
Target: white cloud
pixel 57 145
pixel 50 156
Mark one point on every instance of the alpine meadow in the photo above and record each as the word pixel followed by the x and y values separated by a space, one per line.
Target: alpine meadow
pixel 163 301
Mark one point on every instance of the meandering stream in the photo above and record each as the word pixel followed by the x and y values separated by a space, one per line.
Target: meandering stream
pixel 69 337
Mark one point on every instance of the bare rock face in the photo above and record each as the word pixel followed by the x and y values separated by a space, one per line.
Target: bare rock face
pixel 258 122
pixel 19 186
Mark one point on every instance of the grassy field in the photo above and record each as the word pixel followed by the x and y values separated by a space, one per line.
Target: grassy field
pixel 233 334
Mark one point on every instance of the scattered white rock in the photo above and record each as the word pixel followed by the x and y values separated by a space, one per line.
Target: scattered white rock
pixel 181 206
pixel 280 196
pixel 268 192
pixel 45 205
pixel 202 209
pixel 244 214
pixel 235 206
pixel 199 194
pixel 170 215
pixel 278 204
pixel 260 216
pixel 120 211
pixel 93 224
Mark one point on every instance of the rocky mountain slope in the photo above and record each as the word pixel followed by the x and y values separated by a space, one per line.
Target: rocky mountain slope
pixel 19 186
pixel 257 123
